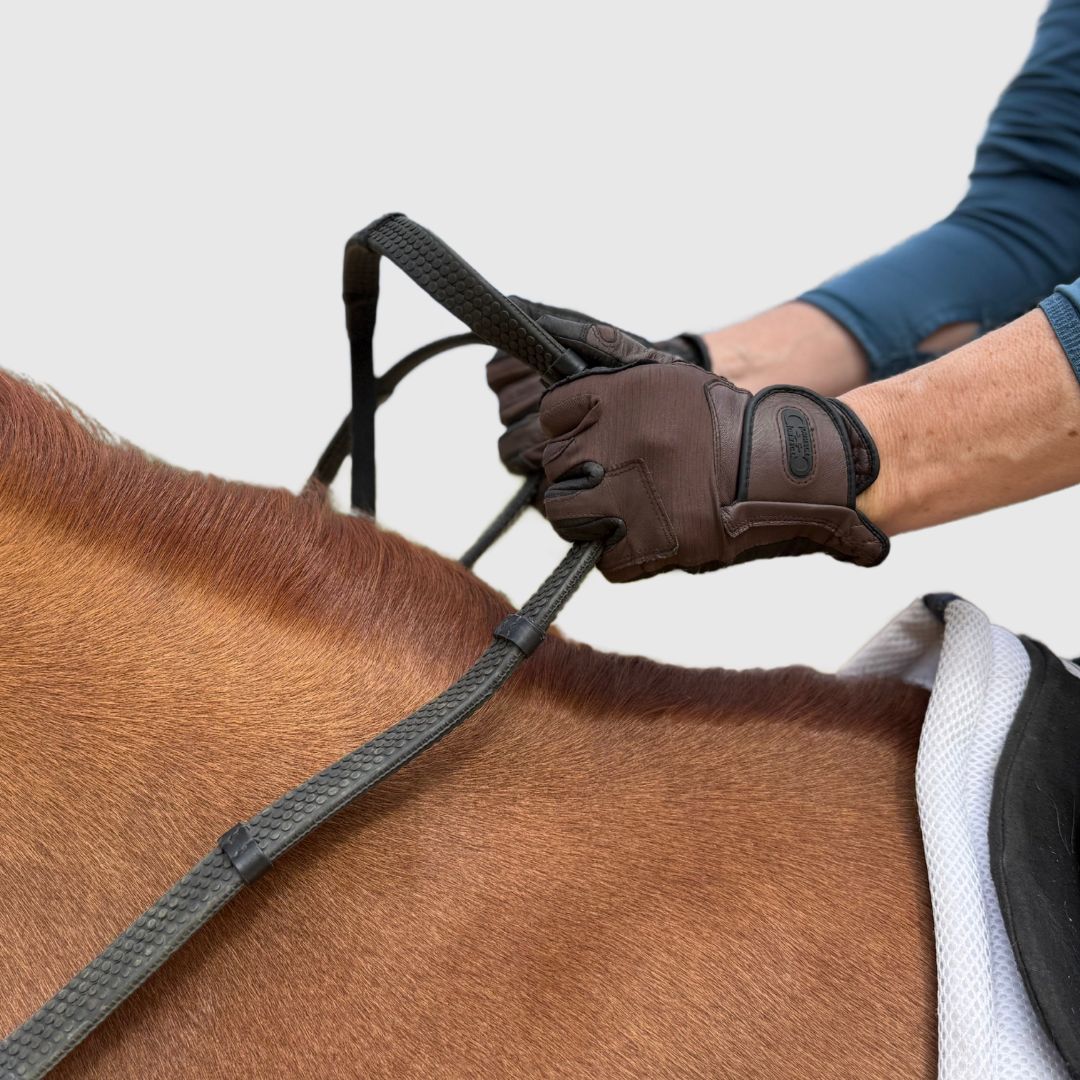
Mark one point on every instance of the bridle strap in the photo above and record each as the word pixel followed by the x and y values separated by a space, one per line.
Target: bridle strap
pixel 505 518
pixel 449 279
pixel 361 296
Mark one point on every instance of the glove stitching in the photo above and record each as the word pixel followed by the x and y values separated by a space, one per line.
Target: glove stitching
pixel 735 531
pixel 561 443
pixel 714 482
pixel 637 464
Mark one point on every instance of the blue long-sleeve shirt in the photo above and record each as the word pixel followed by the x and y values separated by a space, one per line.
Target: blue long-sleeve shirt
pixel 1013 237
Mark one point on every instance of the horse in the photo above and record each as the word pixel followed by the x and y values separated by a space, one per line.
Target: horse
pixel 617 868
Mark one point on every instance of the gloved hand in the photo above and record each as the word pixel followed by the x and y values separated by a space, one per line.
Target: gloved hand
pixel 677 468
pixel 519 388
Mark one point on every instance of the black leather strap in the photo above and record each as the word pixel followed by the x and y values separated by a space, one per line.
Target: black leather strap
pixel 506 517
pixel 337 450
pixel 445 276
pixel 361 296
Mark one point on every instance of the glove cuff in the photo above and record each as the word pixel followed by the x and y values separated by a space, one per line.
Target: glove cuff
pixel 864 454
pixel 814 455
pixel 690 348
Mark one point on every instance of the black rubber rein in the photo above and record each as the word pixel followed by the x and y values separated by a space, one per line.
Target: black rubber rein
pixel 340 446
pixel 449 279
pixel 248 850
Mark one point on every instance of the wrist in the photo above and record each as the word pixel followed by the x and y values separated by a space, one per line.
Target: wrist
pixel 795 343
pixel 883 501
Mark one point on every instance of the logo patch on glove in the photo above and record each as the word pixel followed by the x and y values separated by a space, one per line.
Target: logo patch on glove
pixel 798 443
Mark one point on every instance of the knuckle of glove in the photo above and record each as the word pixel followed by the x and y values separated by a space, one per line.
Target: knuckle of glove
pixel 521 447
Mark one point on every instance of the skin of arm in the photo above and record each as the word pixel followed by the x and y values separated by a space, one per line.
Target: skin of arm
pixel 1011 401
pixel 798 343
pixel 794 343
pixel 993 423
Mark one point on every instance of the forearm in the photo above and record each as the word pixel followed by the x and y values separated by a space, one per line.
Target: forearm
pixel 798 344
pixel 794 343
pixel 993 423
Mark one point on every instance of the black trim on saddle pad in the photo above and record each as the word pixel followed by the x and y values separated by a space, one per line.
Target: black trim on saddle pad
pixel 937 602
pixel 1034 832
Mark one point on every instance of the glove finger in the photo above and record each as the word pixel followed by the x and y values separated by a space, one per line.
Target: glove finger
pixel 519 400
pixel 568 410
pixel 594 340
pixel 576 519
pixel 504 370
pixel 599 342
pixel 619 506
pixel 571 416
pixel 521 446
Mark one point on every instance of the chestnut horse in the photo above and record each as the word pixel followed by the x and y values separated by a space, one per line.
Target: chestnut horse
pixel 615 869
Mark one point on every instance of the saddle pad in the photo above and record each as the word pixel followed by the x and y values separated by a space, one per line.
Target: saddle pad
pixel 977 674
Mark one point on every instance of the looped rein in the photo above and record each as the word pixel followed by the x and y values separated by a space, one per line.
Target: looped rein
pixel 448 278
pixel 249 849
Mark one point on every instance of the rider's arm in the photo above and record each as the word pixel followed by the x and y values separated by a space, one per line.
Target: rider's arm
pixel 1013 237
pixel 993 423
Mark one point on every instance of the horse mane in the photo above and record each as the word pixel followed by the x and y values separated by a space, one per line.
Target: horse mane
pixel 302 562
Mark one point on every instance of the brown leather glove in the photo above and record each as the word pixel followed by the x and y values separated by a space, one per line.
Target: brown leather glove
pixel 519 388
pixel 678 468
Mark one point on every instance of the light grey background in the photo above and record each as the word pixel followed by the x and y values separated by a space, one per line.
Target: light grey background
pixel 178 184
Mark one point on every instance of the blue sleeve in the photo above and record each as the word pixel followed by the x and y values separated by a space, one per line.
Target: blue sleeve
pixel 1062 308
pixel 1013 237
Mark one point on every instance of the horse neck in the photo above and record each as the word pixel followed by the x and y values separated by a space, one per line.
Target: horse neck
pixel 110 646
pixel 150 698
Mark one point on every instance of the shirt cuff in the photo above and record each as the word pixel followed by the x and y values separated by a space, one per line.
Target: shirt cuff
pixel 1065 321
pixel 883 357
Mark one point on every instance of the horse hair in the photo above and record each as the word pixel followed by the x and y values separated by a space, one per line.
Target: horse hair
pixel 618 868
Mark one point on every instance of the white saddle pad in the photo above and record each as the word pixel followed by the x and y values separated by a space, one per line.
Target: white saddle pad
pixel 977 672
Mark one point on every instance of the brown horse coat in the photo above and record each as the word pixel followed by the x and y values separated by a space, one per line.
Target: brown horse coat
pixel 616 869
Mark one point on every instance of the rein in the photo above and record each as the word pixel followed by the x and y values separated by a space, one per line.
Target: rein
pixel 340 446
pixel 249 849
